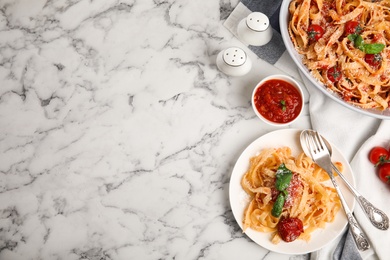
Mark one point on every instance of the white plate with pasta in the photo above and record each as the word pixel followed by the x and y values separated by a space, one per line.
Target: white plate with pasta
pixel 339 66
pixel 240 199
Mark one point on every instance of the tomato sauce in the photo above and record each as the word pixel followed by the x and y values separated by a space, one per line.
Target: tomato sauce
pixel 278 101
pixel 294 191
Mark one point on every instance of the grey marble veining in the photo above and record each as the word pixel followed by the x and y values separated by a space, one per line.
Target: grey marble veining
pixel 118 134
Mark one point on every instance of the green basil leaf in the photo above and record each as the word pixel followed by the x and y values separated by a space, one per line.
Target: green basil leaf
pixel 283 177
pixel 359 42
pixel 369 48
pixel 283 104
pixel 357 39
pixel 352 37
pixel 373 48
pixel 278 205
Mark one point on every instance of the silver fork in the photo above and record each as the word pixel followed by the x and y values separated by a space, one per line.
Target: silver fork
pixel 377 217
pixel 321 157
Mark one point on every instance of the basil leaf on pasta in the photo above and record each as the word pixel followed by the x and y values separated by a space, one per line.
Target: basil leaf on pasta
pixel 369 48
pixel 283 177
pixel 357 40
pixel 373 48
pixel 278 205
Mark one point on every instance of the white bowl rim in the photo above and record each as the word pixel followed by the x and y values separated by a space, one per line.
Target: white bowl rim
pixel 288 79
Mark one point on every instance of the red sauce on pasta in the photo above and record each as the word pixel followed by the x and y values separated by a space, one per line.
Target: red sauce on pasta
pixel 278 101
pixel 294 190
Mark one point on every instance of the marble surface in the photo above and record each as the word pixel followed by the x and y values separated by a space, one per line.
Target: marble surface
pixel 118 132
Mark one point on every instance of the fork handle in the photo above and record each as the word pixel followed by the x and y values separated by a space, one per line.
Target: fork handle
pixel 357 233
pixel 377 217
pixel 373 214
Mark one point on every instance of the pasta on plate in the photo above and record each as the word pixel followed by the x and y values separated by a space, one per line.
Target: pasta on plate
pixel 308 199
pixel 345 44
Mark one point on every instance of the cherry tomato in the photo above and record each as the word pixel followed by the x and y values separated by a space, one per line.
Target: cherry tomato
pixel 384 173
pixel 289 229
pixel 374 60
pixel 378 154
pixel 315 32
pixel 352 27
pixel 334 74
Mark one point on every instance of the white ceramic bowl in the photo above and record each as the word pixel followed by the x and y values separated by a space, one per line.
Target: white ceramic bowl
pixel 297 58
pixel 287 79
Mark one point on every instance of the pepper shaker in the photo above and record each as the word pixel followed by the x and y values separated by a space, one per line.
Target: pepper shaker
pixel 255 29
pixel 234 62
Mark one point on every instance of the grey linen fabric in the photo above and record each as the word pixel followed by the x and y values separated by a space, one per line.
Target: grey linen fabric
pixel 273 50
pixel 346 249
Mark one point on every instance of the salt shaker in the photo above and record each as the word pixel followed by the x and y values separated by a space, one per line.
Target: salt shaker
pixel 234 62
pixel 255 29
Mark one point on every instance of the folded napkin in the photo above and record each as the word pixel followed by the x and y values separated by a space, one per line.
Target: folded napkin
pixel 368 183
pixel 353 133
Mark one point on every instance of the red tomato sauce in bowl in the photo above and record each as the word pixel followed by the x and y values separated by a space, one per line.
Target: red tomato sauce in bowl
pixel 278 101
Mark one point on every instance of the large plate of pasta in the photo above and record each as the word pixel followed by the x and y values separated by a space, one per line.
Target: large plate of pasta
pixel 240 199
pixel 343 48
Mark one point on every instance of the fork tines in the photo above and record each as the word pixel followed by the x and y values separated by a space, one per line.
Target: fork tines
pixel 315 142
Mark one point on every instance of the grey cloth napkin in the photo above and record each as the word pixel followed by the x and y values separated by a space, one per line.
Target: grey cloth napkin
pixel 321 108
pixel 272 51
pixel 346 248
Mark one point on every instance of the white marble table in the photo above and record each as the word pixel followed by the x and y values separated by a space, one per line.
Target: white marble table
pixel 118 133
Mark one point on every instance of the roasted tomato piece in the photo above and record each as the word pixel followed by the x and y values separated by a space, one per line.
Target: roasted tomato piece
pixel 290 229
pixel 315 32
pixel 352 27
pixel 334 74
pixel 374 60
